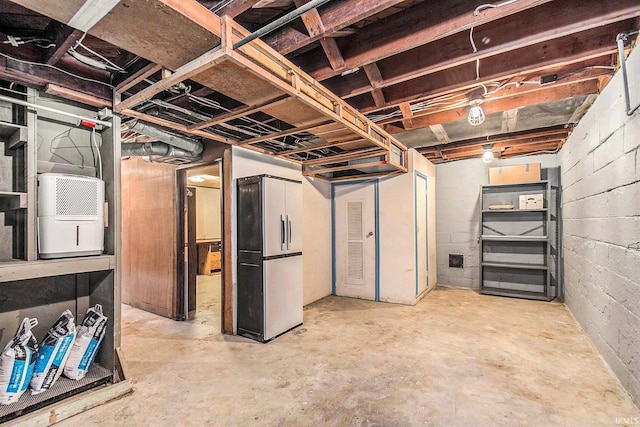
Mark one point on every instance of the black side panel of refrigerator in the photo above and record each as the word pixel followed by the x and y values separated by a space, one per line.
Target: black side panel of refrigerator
pixel 250 308
pixel 250 298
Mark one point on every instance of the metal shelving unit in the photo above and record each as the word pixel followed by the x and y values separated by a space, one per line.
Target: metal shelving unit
pixel 519 247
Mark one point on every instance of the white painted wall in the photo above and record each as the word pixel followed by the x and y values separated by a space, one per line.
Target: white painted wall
pixel 397 232
pixel 458 214
pixel 316 218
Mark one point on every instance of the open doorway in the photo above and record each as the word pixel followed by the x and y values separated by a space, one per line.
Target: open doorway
pixel 200 278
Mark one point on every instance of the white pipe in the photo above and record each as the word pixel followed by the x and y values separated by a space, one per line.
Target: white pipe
pixel 53 110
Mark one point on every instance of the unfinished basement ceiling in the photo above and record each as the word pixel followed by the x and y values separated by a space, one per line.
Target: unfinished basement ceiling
pixel 410 66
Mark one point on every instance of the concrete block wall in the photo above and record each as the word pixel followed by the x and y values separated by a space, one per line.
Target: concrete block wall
pixel 458 214
pixel 601 218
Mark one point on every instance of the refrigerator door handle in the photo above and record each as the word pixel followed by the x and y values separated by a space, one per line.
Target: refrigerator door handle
pixel 288 231
pixel 282 233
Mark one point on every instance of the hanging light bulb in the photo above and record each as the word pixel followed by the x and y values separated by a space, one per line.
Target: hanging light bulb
pixel 487 156
pixel 476 115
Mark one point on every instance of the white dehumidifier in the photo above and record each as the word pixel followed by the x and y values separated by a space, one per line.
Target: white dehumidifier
pixel 70 215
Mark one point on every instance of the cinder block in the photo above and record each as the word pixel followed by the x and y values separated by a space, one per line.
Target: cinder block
pixel 624 261
pixel 624 201
pixel 632 133
pixel 616 116
pixel 621 172
pixel 610 149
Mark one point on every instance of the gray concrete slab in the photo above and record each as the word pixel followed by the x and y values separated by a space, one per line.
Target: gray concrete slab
pixel 456 358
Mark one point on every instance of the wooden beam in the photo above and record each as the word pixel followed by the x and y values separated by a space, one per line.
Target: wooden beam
pixel 299 129
pixel 175 126
pixel 375 79
pixel 74 95
pixel 538 59
pixel 344 157
pixel 343 168
pixel 137 77
pixel 236 7
pixel 541 95
pixel 33 75
pixel 440 133
pixel 240 112
pixel 320 146
pixel 64 38
pixel 410 28
pixel 407 114
pixel 557 132
pixel 332 51
pixel 188 70
pixel 509 120
pixel 335 16
pixel 378 98
pixel 311 19
pixel 313 22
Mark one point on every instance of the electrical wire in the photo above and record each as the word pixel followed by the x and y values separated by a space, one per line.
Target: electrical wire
pixel 108 64
pixel 58 69
pixel 476 12
pixel 17 41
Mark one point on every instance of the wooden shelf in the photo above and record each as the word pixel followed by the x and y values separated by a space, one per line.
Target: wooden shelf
pixel 518 266
pixel 23 270
pixel 514 238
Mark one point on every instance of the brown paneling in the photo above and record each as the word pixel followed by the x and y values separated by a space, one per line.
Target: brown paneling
pixel 149 236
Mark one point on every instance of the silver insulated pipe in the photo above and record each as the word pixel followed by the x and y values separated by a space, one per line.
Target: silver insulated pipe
pixel 193 146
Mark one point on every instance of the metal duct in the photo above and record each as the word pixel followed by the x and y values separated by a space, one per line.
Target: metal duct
pixel 191 146
pixel 156 149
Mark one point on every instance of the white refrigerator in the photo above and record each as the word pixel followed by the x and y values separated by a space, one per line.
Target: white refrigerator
pixel 269 298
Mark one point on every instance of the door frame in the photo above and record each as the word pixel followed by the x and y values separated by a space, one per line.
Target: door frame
pixel 421 176
pixel 376 216
pixel 181 283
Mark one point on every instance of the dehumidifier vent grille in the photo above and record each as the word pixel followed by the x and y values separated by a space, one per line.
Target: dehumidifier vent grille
pixel 76 197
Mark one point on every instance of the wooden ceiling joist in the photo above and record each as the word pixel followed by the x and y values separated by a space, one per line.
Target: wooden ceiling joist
pixel 595 43
pixel 531 95
pixel 408 29
pixel 544 23
pixel 335 16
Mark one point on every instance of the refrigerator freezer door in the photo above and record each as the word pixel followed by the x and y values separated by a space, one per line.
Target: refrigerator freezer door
pixel 274 217
pixel 294 216
pixel 282 295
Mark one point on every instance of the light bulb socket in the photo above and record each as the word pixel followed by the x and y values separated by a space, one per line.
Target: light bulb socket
pixel 476 114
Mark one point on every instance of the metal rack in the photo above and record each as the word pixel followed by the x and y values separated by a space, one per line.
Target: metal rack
pixel 519 247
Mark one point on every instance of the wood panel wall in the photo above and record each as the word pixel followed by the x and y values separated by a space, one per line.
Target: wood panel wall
pixel 149 236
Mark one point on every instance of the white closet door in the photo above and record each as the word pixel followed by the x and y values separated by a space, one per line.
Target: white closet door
pixel 355 241
pixel 294 216
pixel 273 212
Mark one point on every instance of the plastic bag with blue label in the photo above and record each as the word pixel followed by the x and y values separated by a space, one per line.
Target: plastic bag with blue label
pixel 85 348
pixel 17 362
pixel 53 353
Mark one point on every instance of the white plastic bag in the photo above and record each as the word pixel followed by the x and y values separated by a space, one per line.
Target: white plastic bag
pixel 85 348
pixel 17 362
pixel 53 353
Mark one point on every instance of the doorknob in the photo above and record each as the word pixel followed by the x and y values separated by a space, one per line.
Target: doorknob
pixel 370 234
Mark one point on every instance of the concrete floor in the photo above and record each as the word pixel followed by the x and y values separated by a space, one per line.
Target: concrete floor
pixel 457 358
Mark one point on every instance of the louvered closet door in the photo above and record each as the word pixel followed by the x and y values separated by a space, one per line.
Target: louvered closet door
pixel 355 241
